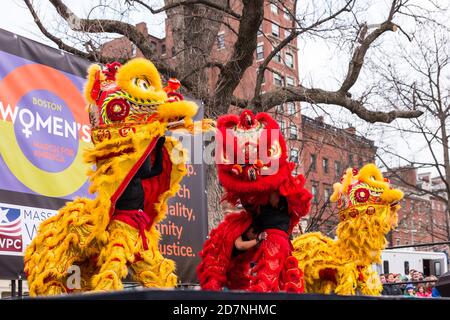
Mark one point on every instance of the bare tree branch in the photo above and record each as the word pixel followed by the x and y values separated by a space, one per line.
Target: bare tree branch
pixel 300 93
pixel 213 5
pixel 242 56
pixel 92 56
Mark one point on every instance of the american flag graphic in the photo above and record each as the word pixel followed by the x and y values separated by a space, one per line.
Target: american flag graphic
pixel 10 230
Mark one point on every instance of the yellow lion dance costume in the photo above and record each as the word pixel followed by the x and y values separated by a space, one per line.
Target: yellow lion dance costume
pixel 367 211
pixel 129 111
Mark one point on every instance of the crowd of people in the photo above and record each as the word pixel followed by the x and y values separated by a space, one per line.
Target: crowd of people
pixel 394 284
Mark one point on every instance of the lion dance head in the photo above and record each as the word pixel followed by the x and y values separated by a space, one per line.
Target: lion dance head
pixel 365 192
pixel 122 97
pixel 252 162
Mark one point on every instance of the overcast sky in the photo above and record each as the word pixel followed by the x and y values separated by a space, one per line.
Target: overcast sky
pixel 320 64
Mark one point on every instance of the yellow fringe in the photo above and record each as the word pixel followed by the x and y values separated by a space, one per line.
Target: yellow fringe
pixel 173 111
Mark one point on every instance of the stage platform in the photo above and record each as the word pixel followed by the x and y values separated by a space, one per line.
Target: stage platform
pixel 198 295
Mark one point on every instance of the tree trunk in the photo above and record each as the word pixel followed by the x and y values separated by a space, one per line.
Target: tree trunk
pixel 445 146
pixel 214 194
pixel 194 31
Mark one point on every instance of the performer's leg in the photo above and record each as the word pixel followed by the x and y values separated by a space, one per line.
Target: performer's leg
pixel 239 273
pixel 115 256
pixel 346 279
pixel 270 259
pixel 57 247
pixel 150 268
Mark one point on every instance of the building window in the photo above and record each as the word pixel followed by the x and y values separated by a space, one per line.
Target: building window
pixel 325 165
pixel 290 108
pixel 337 168
pixel 260 51
pixel 282 124
pixel 328 191
pixel 274 8
pixel 163 49
pixel 350 161
pixel 287 33
pixel 153 45
pixel 133 50
pixel 397 242
pixel 385 267
pixel 173 51
pixel 360 162
pixel 277 57
pixel 286 14
pixel 260 31
pixel 221 41
pixel 293 156
pixel 315 193
pixel 312 160
pixel 289 60
pixel 437 268
pixel 290 82
pixel 279 109
pixel 275 30
pixel 293 131
pixel 406 267
pixel 277 80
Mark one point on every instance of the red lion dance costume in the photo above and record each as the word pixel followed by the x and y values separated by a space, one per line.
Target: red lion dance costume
pixel 252 163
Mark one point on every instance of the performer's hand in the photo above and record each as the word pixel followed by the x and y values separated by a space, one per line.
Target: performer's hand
pixel 262 236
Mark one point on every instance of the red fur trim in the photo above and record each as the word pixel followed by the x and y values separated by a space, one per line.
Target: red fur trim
pixel 299 198
pixel 216 253
pixel 227 121
pixel 328 274
pixel 276 269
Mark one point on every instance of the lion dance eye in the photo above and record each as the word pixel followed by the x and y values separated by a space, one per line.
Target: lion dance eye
pixel 143 84
pixel 275 150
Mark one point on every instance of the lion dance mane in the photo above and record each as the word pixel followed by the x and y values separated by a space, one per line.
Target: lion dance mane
pixel 252 163
pixel 129 110
pixel 367 211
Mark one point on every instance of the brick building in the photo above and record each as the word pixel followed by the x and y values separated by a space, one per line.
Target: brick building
pixel 422 218
pixel 122 48
pixel 322 152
